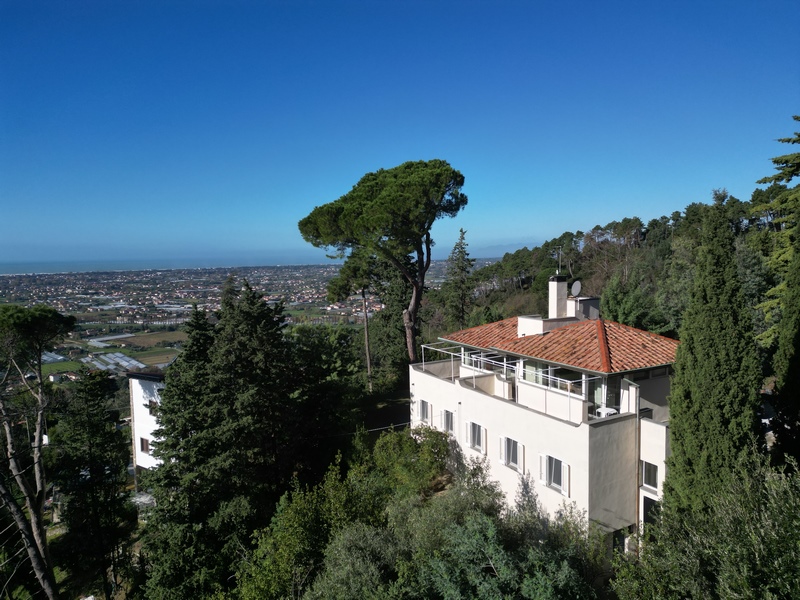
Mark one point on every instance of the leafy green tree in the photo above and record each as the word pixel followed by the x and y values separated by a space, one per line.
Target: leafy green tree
pixel 630 304
pixel 359 563
pixel 290 551
pixel 25 396
pixel 457 288
pixel 91 473
pixel 389 213
pixel 412 520
pixel 714 396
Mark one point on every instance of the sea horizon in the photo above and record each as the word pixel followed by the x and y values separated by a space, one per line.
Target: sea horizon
pixel 48 267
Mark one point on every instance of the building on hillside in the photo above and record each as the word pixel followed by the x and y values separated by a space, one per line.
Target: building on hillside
pixel 145 394
pixel 577 403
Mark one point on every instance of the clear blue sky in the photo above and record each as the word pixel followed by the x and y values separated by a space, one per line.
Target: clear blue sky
pixel 207 129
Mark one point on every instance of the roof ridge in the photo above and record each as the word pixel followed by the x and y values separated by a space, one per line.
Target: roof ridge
pixel 605 356
pixel 638 330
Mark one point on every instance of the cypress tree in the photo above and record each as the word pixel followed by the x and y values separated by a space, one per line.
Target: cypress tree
pixel 714 397
pixel 787 365
pixel 457 289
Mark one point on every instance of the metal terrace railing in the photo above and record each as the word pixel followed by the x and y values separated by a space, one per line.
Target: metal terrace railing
pixel 438 350
pixel 477 363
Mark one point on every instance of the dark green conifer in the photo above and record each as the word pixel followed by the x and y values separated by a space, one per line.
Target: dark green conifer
pixel 714 398
pixel 91 472
pixel 787 365
pixel 458 289
pixel 226 427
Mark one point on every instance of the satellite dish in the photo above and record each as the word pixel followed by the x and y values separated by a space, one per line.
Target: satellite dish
pixel 576 288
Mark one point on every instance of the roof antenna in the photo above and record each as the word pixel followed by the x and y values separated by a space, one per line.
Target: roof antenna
pixel 558 272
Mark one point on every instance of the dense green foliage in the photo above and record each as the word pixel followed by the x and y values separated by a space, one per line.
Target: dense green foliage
pixel 411 520
pixel 226 462
pixel 743 546
pixel 714 396
pixel 91 472
pixel 389 214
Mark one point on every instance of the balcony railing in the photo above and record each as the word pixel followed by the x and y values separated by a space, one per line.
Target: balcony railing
pixel 476 364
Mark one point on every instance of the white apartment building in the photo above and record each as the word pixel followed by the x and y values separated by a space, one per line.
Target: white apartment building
pixel 145 393
pixel 576 402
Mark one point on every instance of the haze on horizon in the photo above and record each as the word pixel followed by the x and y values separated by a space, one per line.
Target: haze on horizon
pixel 181 130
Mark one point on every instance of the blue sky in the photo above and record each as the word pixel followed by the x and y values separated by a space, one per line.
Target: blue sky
pixel 193 130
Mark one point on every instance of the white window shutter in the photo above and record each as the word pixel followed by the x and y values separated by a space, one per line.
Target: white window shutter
pixel 543 469
pixel 467 441
pixel 521 457
pixel 430 414
pixel 502 450
pixel 484 441
pixel 565 479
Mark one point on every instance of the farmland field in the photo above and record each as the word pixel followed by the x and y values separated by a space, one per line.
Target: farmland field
pixel 61 367
pixel 156 356
pixel 148 340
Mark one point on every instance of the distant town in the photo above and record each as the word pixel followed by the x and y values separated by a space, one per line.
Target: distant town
pixel 131 319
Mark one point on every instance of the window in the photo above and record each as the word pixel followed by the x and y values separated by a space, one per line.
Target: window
pixel 424 411
pixel 144 445
pixel 554 474
pixel 535 372
pixel 650 475
pixel 152 407
pixel 448 422
pixel 651 508
pixel 476 437
pixel 512 454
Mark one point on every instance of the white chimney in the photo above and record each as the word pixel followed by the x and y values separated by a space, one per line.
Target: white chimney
pixel 557 289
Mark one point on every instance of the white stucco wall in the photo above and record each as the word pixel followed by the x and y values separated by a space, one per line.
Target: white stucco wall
pixel 613 482
pixel 143 424
pixel 539 434
pixel 602 454
pixel 655 449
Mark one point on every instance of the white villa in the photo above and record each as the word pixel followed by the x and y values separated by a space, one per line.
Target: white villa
pixel 576 402
pixel 145 393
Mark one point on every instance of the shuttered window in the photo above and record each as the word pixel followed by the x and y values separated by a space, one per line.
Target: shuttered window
pixel 554 473
pixel 512 454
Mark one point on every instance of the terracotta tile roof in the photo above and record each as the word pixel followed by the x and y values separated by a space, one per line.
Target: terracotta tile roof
pixel 594 345
pixel 486 336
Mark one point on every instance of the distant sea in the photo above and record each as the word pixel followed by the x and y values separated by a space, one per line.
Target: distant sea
pixel 87 266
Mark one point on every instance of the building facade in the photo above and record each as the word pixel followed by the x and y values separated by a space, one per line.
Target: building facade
pixel 145 394
pixel 577 403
